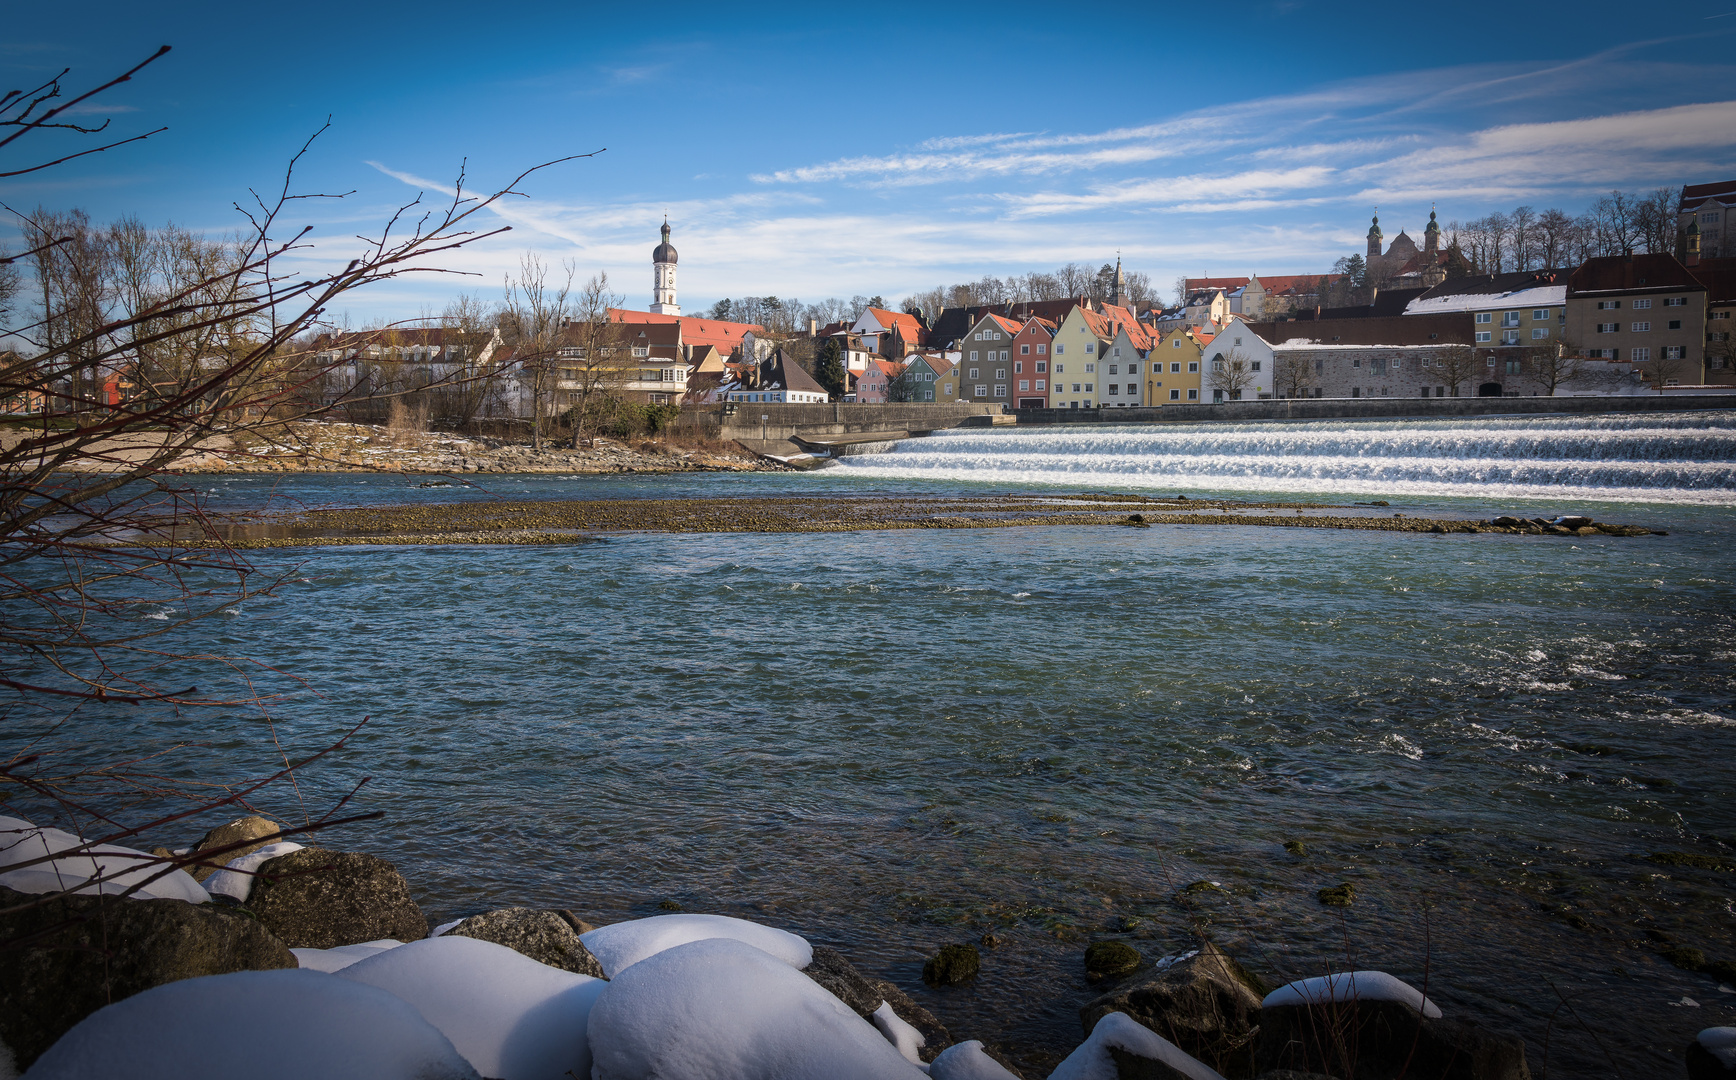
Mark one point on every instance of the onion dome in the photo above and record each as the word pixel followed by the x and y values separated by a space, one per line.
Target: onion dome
pixel 664 252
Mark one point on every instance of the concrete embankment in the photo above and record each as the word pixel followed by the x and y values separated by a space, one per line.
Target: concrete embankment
pixel 1380 409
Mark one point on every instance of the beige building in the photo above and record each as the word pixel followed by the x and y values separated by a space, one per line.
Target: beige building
pixel 1647 310
pixel 1173 374
pixel 1707 208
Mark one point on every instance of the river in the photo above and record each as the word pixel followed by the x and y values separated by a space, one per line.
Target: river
pixel 888 741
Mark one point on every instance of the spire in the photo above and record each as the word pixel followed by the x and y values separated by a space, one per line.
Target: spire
pixel 1374 236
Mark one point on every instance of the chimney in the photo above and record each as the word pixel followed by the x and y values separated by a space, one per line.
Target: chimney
pixel 813 328
pixel 1629 252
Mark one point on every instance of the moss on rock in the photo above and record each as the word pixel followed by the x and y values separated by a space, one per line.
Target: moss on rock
pixel 952 965
pixel 1111 959
pixel 1338 895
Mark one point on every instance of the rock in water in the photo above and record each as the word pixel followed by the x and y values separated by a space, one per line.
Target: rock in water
pixel 1204 1002
pixel 250 831
pixel 831 970
pixel 544 936
pixel 1110 960
pixel 265 1025
pixel 953 964
pixel 1119 1047
pixel 113 949
pixel 1380 1027
pixel 319 899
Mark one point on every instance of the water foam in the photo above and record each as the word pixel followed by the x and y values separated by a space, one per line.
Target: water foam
pixel 1682 458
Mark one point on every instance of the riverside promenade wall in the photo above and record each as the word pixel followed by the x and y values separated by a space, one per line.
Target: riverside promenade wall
pixel 1379 409
pixel 837 421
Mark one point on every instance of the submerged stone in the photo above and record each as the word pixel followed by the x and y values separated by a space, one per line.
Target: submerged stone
pixel 952 965
pixel 1338 895
pixel 1111 960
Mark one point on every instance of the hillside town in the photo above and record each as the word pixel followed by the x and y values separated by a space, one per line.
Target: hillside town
pixel 1453 316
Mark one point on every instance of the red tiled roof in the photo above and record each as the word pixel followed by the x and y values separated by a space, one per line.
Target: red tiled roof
pixel 725 335
pixel 1228 284
pixel 907 324
pixel 1277 285
pixel 1694 194
pixel 1719 277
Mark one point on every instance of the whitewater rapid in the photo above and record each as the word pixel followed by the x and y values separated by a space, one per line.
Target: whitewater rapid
pixel 1680 458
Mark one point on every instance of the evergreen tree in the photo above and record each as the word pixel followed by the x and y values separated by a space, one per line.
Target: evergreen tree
pixel 1457 265
pixel 720 310
pixel 829 368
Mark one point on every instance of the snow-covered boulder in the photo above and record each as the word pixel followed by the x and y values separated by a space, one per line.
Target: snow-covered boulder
pixel 720 1009
pixel 121 868
pixel 511 1017
pixel 86 951
pixel 249 832
pixel 277 1025
pixel 1116 1038
pixel 235 880
pixel 867 996
pixel 1352 986
pixel 548 937
pixel 619 946
pixel 967 1061
pixel 1202 1001
pixel 319 899
pixel 1712 1055
pixel 331 960
pixel 1379 1026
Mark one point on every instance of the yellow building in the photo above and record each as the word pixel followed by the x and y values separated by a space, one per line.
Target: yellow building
pixel 1175 374
pixel 1081 342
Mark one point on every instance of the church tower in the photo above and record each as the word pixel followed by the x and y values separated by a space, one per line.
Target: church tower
pixel 1432 236
pixel 663 277
pixel 1374 236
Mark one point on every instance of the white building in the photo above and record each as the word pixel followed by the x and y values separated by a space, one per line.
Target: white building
pixel 663 259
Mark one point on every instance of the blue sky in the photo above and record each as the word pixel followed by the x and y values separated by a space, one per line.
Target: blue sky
pixel 817 151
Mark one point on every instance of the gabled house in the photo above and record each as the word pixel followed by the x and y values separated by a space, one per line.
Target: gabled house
pixel 1173 367
pixel 1031 363
pixel 1081 340
pixel 988 360
pixel 875 322
pixel 929 376
pixel 777 379
pixel 1238 348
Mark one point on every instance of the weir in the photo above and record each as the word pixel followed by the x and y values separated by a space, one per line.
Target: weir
pixel 1680 457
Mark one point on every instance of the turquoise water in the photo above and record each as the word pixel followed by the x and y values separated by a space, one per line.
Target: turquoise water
pixel 890 741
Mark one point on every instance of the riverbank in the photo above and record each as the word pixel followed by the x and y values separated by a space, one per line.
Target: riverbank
pixel 335 447
pixel 579 520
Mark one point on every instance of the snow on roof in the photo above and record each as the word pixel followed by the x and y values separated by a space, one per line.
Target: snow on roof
pixel 1535 297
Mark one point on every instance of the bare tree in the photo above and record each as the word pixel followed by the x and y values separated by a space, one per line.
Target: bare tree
pixel 1553 364
pixel 1292 374
pixel 1554 233
pixel 1455 365
pixel 593 358
pixel 1231 373
pixel 95 525
pixel 469 333
pixel 1663 369
pixel 534 315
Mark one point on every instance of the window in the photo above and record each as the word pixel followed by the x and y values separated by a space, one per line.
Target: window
pixel 1255 366
pixel 1674 352
pixel 1513 367
pixel 1042 366
pixel 1193 365
pixel 1089 368
pixel 1175 367
pixel 1238 341
pixel 1356 391
pixel 1075 388
pixel 1024 350
pixel 1642 356
pixel 1357 362
pixel 1675 324
pixel 1001 374
pixel 1059 349
pixel 1039 385
pixel 1509 337
pixel 1041 349
pixel 1114 389
pixel 1640 327
pixel 928 376
pixel 1193 395
pixel 982 391
pixel 1018 367
pixel 641 350
pixel 1175 343
pixel 973 373
pixel 1538 333
pixel 946 389
pixel 1117 350
pixel 1114 369
pixel 1087 388
pixel 1319 366
pixel 973 354
pixel 1608 305
pixel 1060 368
pixel 1001 391
pixel 1090 347
pixel 1540 315
pixel 1484 316
pixel 1642 305
pixel 1608 327
pixel 1509 318
pixel 1175 395
pixel 1676 301
pixel 1709 217
pixel 1005 353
